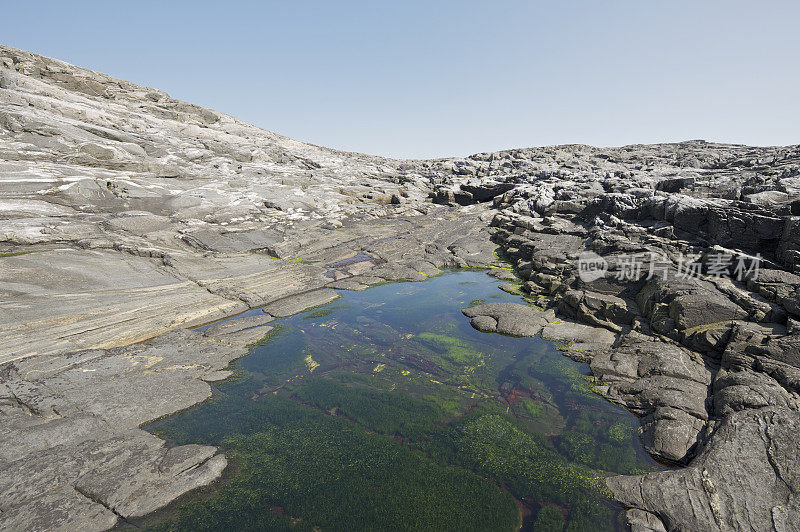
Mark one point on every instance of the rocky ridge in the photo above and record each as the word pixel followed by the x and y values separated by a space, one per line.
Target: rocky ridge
pixel 128 216
pixel 707 357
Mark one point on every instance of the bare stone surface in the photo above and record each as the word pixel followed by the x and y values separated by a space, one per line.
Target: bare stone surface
pixel 127 217
pixel 512 319
pixel 299 303
pixel 744 479
pixel 238 324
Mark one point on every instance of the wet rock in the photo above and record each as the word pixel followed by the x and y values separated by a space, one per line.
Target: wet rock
pixel 484 323
pixel 502 274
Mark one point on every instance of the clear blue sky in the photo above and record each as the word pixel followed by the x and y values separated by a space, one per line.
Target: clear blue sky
pixel 438 78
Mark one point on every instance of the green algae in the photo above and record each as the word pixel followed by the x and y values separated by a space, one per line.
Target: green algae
pixel 16 253
pixel 453 349
pixel 620 432
pixel 423 443
pixel 533 409
pixel 319 313
pixel 549 519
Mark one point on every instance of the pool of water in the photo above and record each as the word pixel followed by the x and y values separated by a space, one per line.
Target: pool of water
pixel 386 410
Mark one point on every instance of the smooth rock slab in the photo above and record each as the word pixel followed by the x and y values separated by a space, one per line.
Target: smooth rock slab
pixel 131 474
pixel 513 319
pixel 235 325
pixel 746 478
pixel 71 455
pixel 578 337
pixel 295 304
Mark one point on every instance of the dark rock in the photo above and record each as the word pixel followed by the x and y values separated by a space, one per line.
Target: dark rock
pixel 749 448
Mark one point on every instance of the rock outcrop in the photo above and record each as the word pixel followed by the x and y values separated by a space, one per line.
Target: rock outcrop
pixel 683 252
pixel 128 217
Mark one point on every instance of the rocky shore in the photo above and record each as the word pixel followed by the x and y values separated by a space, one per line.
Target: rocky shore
pixel 127 218
pixel 707 355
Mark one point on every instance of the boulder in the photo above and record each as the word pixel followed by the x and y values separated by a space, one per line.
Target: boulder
pixel 512 319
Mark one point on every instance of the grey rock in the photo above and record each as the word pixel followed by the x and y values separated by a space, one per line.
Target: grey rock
pixel 752 448
pixel 299 303
pixel 577 337
pixel 664 384
pixel 74 457
pixel 235 325
pixel 641 521
pixel 512 319
pixel 192 216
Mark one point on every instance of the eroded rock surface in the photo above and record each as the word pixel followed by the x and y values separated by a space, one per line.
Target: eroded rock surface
pixel 128 216
pixel 73 457
pixel 708 358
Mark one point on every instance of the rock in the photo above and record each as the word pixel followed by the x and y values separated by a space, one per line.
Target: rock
pixel 502 274
pixel 512 319
pixel 236 324
pixel 485 190
pixel 641 521
pixel 73 456
pixel 698 309
pixel 634 359
pixel 675 184
pixel 745 389
pixel 768 197
pixel 296 304
pixel 750 448
pixel 484 323
pixel 578 338
pixel 664 384
pixel 7 80
pixel 231 241
pixel 349 284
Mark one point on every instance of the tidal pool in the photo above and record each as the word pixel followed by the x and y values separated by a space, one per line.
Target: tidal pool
pixel 385 410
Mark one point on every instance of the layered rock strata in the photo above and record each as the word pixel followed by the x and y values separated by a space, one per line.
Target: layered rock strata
pixel 128 217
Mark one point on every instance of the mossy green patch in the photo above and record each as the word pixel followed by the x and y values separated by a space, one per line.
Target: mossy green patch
pixel 549 519
pixel 533 409
pixel 16 253
pixel 319 313
pixel 512 288
pixel 453 349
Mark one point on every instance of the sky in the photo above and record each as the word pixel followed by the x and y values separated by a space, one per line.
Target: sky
pixel 443 78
